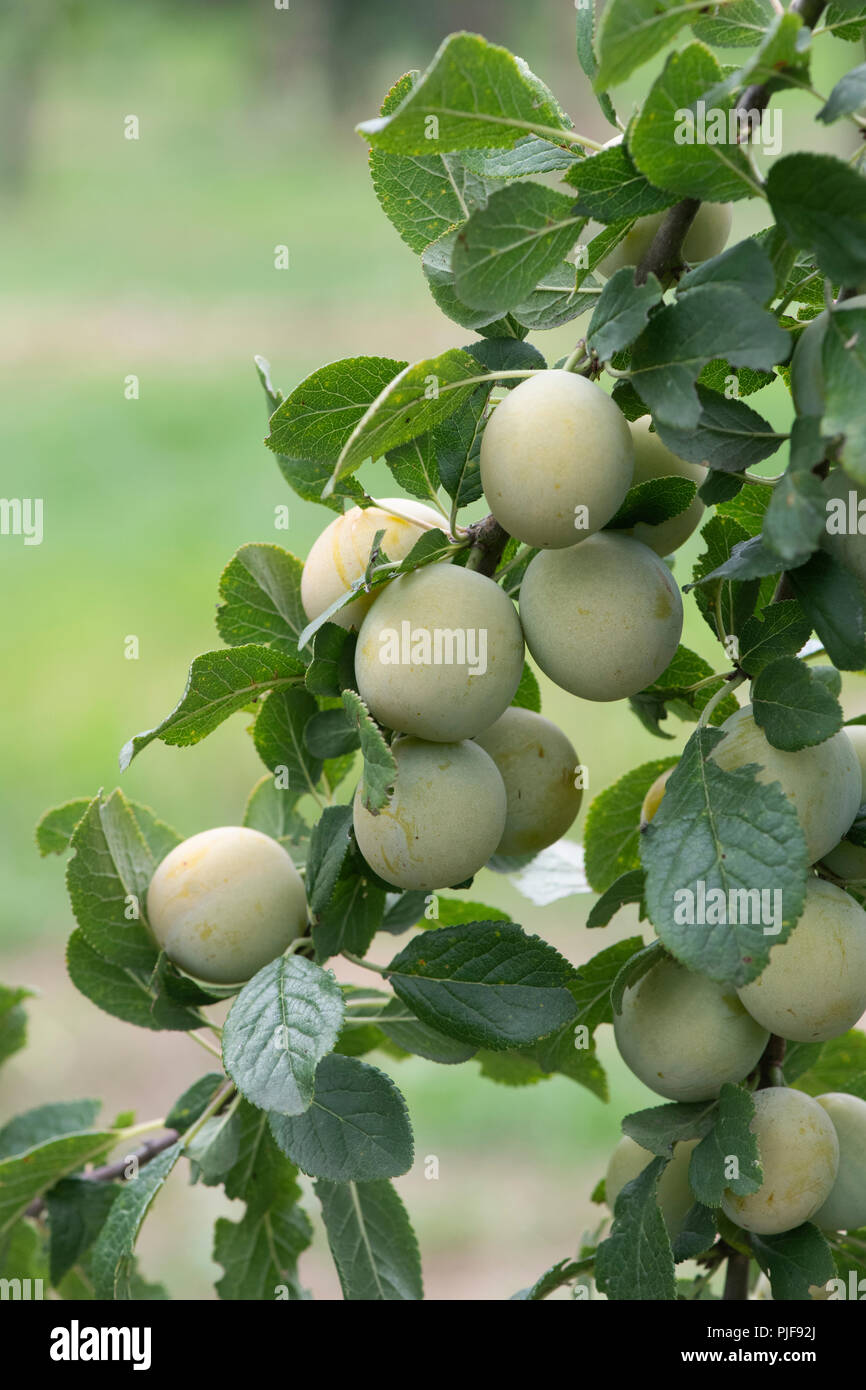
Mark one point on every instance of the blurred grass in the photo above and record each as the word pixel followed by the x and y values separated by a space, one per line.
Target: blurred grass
pixel 155 258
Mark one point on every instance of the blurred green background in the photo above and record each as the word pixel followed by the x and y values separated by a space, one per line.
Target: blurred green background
pixel 155 257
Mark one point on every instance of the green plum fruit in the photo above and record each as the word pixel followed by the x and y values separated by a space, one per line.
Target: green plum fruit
pixel 444 820
pixel 538 765
pixel 799 1155
pixel 225 902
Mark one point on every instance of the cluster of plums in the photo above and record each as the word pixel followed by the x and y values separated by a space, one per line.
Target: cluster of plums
pixel 685 1036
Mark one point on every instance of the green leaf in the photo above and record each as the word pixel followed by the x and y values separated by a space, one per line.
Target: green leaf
pixel 610 187
pixel 77 1211
pixel 835 605
pixel 260 1252
pixel 350 918
pixel 621 312
pixel 458 448
pixel 728 435
pixel 628 888
pixel 332 668
pixel 477 95
pixel 456 912
pixel 314 422
pixel 260 590
pixel 730 833
pixel 684 336
pixel 125 991
pixel 278 1030
pixel 328 734
pixel 662 1126
pixel 794 1261
pixel 438 272
pixel 262 1176
pixel 34 1127
pixel 592 984
pixel 422 196
pixel 653 501
pixel 404 910
pixel 782 60
pixel 673 687
pixel 380 767
pixel 271 809
pixel 730 1137
pixel 839 1066
pixel 531 155
pixel 107 879
pixel 506 354
pixel 697 1234
pixel 371 1240
pixel 737 25
pixel 27 1175
pixel 780 630
pixel 632 31
pixel 819 202
pixel 279 737
pixel 794 706
pixel 485 983
pixel 611 836
pixel 219 684
pixel 843 357
pixel 55 828
pixel 408 1032
pixel 565 1271
pixel 13 1021
pixel 414 468
pixel 848 96
pixel 734 599
pixel 112 1255
pixel 528 693
pixel 636 1262
pixel 356 1130
pixel 557 298
pixel 194 1101
pixel 664 145
pixel 562 1053
pixel 746 266
pixel 796 517
pixel 329 845
pixel 416 400
pixel 634 969
pixel 504 249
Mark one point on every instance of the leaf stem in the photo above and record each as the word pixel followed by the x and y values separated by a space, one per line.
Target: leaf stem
pixel 365 964
pixel 712 704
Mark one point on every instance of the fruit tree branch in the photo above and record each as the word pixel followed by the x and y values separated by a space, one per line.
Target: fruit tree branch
pixel 487 544
pixel 110 1171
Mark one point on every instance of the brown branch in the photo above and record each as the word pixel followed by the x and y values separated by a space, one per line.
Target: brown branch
pixel 770 1066
pixel 488 541
pixel 110 1171
pixel 737 1278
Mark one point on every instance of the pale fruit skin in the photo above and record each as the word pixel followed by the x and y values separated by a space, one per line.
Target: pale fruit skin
pixel 822 782
pixel 799 1154
pixel 674 1196
pixel 845 1208
pixel 707 236
pixel 225 902
pixel 556 442
pixel 846 860
pixel 340 554
pixel 684 1035
pixel 602 619
pixel 848 549
pixel 445 702
pixel 814 987
pixel 537 763
pixel 653 459
pixel 653 799
pixel 444 821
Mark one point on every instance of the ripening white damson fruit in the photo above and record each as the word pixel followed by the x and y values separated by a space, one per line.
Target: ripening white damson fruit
pixel 814 986
pixel 845 1208
pixel 653 799
pixel 225 902
pixel 602 619
pixel 799 1154
pixel 340 554
pixel 706 237
pixel 684 1035
pixel 556 460
pixel 440 654
pixel 673 1194
pixel 444 820
pixel 823 782
pixel 653 459
pixel 848 861
pixel 538 765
